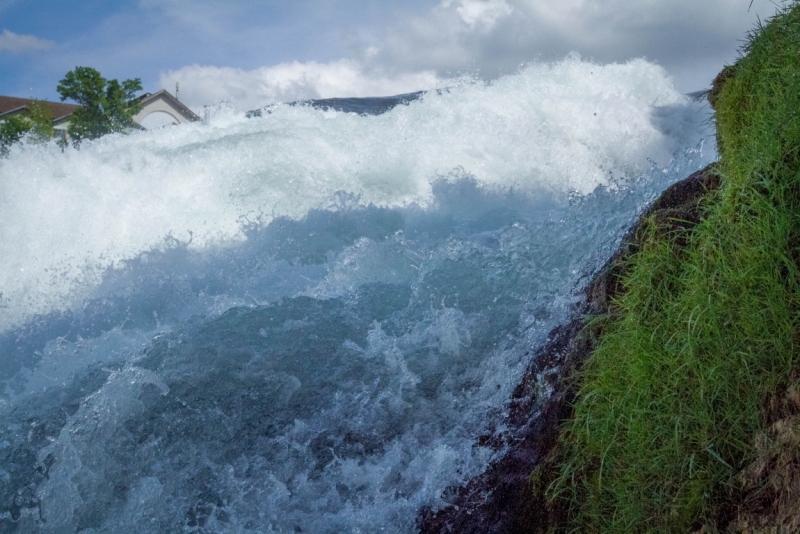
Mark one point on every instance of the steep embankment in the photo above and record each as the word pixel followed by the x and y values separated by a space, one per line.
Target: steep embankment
pixel 681 408
pixel 685 416
pixel 507 498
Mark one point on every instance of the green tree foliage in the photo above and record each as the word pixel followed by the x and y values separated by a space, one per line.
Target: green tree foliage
pixel 11 131
pixel 36 123
pixel 107 106
pixel 40 117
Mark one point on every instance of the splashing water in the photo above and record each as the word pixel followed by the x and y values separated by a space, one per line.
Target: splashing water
pixel 303 322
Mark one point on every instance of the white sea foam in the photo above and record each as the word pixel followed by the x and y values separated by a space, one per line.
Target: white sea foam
pixel 66 217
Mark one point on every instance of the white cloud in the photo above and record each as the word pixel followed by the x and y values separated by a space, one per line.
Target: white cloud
pixel 481 14
pixel 493 37
pixel 417 50
pixel 250 89
pixel 18 43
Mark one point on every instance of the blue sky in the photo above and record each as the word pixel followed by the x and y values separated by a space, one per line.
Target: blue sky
pixel 133 38
pixel 257 52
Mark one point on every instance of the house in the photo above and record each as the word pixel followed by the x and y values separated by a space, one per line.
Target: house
pixel 158 110
pixel 162 109
pixel 10 106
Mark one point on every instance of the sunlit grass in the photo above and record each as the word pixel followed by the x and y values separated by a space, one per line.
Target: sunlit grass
pixel 706 330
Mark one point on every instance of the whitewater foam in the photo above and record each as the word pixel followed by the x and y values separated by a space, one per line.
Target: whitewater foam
pixel 66 217
pixel 304 322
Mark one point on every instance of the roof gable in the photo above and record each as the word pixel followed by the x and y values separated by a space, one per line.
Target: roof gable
pixel 173 102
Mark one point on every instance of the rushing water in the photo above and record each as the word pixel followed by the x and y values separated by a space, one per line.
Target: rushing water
pixel 302 321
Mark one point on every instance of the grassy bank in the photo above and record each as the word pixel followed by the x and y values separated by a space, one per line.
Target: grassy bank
pixel 674 428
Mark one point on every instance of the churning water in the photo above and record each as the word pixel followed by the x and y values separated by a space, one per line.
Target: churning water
pixel 303 321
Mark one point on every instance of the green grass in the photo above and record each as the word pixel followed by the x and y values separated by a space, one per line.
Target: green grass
pixel 704 332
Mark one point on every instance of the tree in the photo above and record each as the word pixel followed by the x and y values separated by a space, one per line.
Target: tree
pixel 107 106
pixel 36 122
pixel 40 117
pixel 11 131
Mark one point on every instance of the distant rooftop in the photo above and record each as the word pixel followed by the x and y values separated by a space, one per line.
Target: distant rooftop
pixel 12 103
pixel 159 103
